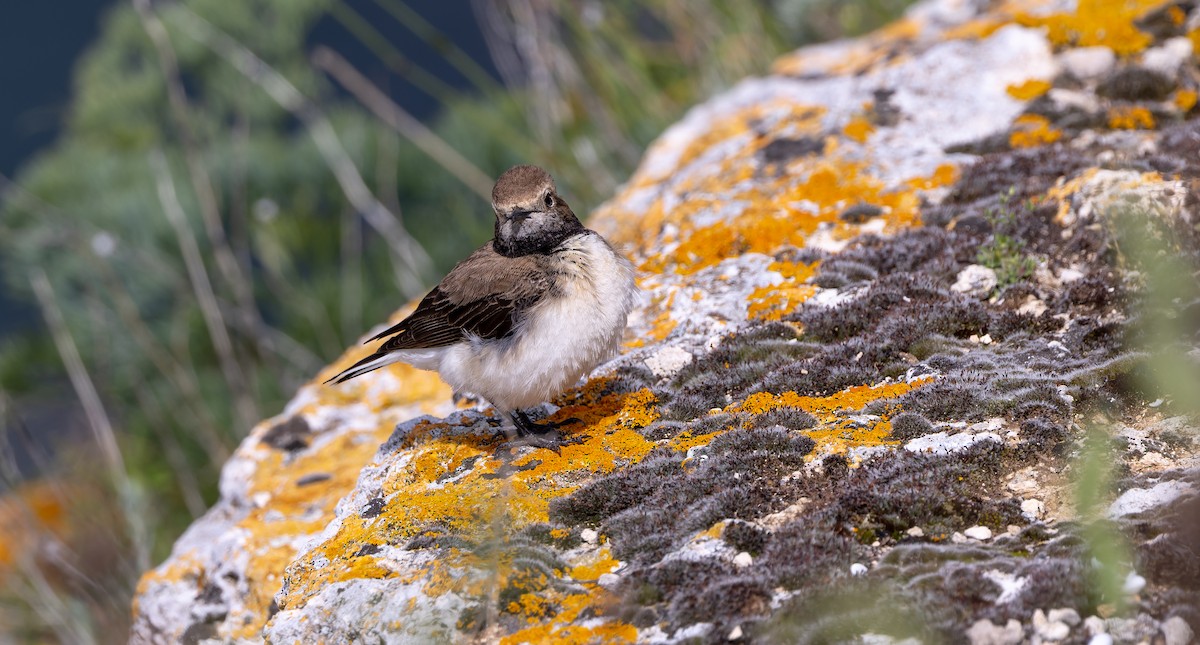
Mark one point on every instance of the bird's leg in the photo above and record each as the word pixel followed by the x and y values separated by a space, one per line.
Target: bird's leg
pixel 526 426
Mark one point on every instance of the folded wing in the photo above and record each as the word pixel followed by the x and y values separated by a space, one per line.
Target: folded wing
pixel 484 296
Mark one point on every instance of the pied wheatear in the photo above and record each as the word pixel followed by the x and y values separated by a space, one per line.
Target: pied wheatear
pixel 525 316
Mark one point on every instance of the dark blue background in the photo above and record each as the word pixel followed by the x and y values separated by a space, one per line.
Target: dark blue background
pixel 40 42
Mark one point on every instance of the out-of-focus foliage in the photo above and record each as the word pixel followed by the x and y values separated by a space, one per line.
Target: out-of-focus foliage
pixel 295 272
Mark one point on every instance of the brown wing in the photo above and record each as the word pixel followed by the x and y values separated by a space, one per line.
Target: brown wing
pixel 483 296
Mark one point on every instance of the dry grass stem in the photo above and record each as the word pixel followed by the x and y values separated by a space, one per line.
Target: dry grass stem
pixel 412 261
pixel 247 410
pixel 401 121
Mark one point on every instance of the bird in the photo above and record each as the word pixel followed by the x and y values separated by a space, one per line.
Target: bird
pixel 526 315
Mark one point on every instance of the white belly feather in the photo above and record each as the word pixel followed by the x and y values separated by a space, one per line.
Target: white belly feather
pixel 561 339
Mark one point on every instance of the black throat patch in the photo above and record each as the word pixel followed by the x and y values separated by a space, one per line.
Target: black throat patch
pixel 543 240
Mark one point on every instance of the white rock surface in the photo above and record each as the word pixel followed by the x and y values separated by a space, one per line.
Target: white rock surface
pixel 942 443
pixel 1138 500
pixel 985 632
pixel 1033 509
pixel 1176 631
pixel 1168 57
pixel 668 360
pixel 978 533
pixel 976 281
pixel 1088 63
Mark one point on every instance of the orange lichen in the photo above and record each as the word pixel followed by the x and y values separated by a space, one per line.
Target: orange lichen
pixel 273 530
pixel 290 512
pixel 560 629
pixel 780 212
pixel 661 326
pixel 944 175
pixel 27 515
pixel 452 481
pixel 772 302
pixel 594 565
pixel 1107 23
pixel 1130 118
pixel 1029 90
pixel 742 125
pixel 975 29
pixel 835 433
pixel 1185 100
pixel 874 49
pixel 859 128
pixel 1032 130
pixel 731 207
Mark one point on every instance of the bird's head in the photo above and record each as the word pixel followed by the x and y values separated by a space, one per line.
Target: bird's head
pixel 530 216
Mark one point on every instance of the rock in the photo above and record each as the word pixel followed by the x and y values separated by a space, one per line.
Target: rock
pixel 975 281
pixel 1176 631
pixel 1132 630
pixel 1054 631
pixel 1048 629
pixel 978 533
pixel 1088 63
pixel 1108 194
pixel 1033 509
pixel 1168 57
pixel 1140 500
pixel 734 634
pixel 1133 583
pixel 668 360
pixel 941 443
pixel 786 333
pixel 1100 639
pixel 1094 625
pixel 984 632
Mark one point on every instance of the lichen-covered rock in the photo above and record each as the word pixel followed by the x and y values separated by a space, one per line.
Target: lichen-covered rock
pixel 948 237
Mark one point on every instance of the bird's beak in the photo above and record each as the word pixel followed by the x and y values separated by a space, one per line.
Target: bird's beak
pixel 518 215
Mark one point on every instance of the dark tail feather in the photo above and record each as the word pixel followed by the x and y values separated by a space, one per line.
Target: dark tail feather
pixel 368 364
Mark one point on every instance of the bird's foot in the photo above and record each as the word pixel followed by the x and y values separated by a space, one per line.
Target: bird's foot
pixel 542 434
pixel 526 426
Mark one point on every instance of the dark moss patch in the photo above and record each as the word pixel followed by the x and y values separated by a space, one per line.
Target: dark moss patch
pixel 373 508
pixel 910 425
pixel 883 111
pixel 859 213
pixel 291 435
pixel 940 495
pixel 743 536
pixel 651 507
pixel 1016 175
pixel 1167 555
pixel 551 535
pixel 790 418
pixel 808 553
pixel 999 355
pixel 842 614
pixel 783 150
pixel 1133 83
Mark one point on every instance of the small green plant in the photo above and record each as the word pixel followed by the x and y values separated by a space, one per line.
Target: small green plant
pixel 1004 252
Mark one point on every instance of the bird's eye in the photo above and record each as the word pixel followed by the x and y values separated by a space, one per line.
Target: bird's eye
pixel 549 199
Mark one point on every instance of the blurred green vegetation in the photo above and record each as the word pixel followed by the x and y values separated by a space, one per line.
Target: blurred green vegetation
pixel 191 329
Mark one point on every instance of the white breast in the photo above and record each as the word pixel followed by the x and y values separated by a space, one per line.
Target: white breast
pixel 564 336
